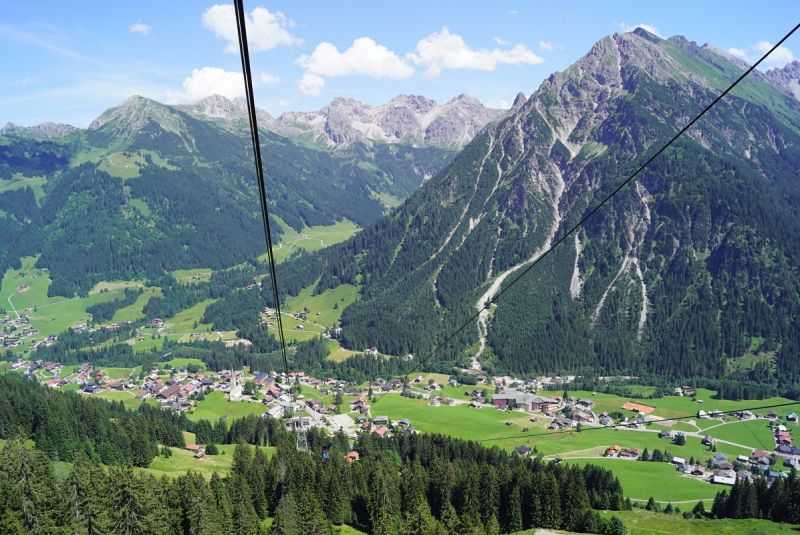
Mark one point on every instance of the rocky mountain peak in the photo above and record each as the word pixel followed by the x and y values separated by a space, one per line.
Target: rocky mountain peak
pixel 131 115
pixel 519 101
pixel 404 119
pixel 787 79
pixel 46 130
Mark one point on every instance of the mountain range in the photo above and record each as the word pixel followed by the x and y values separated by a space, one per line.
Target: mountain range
pixel 682 273
pixel 691 271
pixel 172 187
pixel 408 119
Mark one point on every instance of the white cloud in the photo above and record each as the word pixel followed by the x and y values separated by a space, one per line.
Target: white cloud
pixel 513 12
pixel 548 46
pixel 143 29
pixel 501 41
pixel 265 30
pixel 208 81
pixel 365 57
pixel 311 84
pixel 738 52
pixel 499 104
pixel 781 56
pixel 649 27
pixel 445 50
pixel 269 79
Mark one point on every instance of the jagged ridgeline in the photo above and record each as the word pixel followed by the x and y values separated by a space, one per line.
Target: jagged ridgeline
pixel 149 188
pixel 692 266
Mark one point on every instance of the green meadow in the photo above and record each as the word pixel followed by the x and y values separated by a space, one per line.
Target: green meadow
pixel 50 315
pixel 754 433
pixel 311 238
pixel 642 522
pixel 321 307
pixel 134 311
pixel 18 181
pixel 640 480
pixel 215 405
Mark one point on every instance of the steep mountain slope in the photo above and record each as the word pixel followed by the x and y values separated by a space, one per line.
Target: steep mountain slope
pixel 695 264
pixel 171 187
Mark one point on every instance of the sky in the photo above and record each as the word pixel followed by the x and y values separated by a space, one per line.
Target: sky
pixel 68 61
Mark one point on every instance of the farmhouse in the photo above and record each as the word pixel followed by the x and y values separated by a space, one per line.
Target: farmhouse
pixel 156 322
pixel 515 398
pixel 169 392
pixel 524 450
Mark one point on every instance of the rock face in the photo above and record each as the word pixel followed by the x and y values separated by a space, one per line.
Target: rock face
pixel 42 131
pixel 408 119
pixel 786 79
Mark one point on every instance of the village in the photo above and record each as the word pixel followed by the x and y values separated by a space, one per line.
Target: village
pixel 341 406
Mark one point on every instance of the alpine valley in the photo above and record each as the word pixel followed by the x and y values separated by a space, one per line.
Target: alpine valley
pixel 682 274
pixel 172 187
pixel 690 271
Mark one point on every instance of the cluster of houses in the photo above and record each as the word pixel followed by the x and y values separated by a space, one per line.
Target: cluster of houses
pixel 623 453
pixel 684 390
pixel 17 332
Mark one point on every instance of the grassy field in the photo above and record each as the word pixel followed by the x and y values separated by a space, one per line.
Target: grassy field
pixel 457 421
pixel 118 373
pixel 183 322
pixel 754 433
pixel 19 182
pixel 640 480
pixel 175 363
pixel 556 443
pixel 185 275
pixel 134 311
pixel 311 238
pixel 338 354
pixel 323 304
pixel 125 167
pixel 50 315
pixel 679 406
pixel 215 405
pixel 183 460
pixel 641 522
pixel 462 422
pixel 127 398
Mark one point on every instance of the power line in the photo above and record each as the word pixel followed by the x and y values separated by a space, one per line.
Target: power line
pixel 586 430
pixel 596 208
pixel 300 431
pixel 251 115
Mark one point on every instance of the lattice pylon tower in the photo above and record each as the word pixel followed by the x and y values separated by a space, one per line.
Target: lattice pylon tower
pixel 299 429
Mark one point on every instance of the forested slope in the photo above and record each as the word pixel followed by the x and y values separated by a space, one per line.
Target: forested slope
pixel 684 271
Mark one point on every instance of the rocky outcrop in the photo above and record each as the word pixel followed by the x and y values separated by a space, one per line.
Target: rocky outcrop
pixel 41 131
pixel 786 79
pixel 411 119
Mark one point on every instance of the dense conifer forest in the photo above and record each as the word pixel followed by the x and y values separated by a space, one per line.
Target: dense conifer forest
pixel 410 484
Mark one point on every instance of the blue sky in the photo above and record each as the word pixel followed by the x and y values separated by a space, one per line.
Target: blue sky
pixel 68 61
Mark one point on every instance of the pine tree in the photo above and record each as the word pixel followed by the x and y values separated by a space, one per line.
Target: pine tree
pixel 418 519
pixel 617 526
